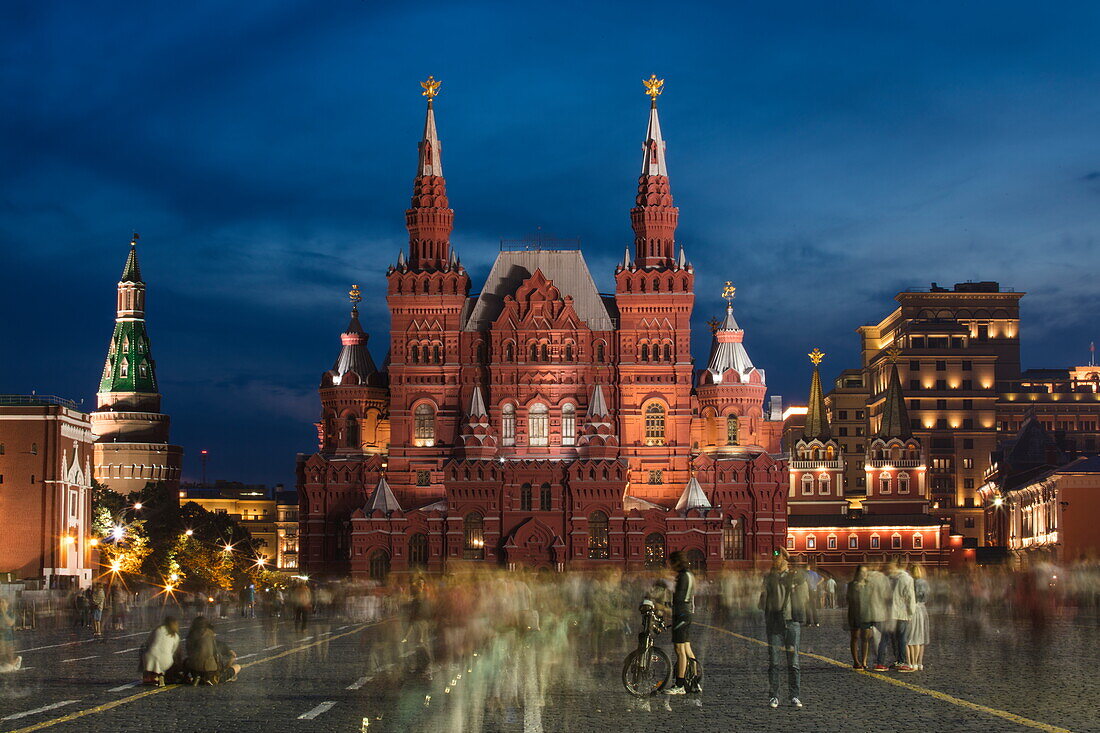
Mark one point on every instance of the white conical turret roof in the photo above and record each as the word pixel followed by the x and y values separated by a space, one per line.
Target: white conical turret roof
pixel 382 499
pixel 693 497
pixel 477 404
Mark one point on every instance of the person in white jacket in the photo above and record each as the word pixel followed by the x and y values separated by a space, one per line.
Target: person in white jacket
pixel 160 651
pixel 903 605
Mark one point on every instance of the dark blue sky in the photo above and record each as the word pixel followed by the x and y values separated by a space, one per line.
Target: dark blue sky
pixel 823 157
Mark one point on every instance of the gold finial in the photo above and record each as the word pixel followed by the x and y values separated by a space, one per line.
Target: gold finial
pixel 714 323
pixel 431 88
pixel 354 295
pixel 816 356
pixel 893 354
pixel 728 292
pixel 134 239
pixel 653 87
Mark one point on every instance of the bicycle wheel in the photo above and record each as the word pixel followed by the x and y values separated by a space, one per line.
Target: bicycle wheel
pixel 695 676
pixel 642 682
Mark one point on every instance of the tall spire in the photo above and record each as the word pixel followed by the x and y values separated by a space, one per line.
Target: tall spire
pixel 129 367
pixel 429 219
pixel 654 217
pixel 817 420
pixel 895 416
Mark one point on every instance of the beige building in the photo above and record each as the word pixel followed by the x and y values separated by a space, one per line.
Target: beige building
pixel 269 515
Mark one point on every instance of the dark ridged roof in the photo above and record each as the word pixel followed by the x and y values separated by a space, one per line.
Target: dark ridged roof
pixel 131 272
pixel 817 420
pixel 354 354
pixel 895 416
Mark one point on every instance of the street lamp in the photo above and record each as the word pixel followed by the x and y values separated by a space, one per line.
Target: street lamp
pixel 117 531
pixel 137 506
pixel 189 532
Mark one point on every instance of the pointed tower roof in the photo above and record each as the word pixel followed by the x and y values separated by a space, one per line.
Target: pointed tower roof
pixel 430 162
pixel 429 217
pixel 654 216
pixel 477 404
pixel 895 416
pixel 727 350
pixel 597 407
pixel 382 499
pixel 653 159
pixel 817 419
pixel 693 497
pixel 131 272
pixel 354 354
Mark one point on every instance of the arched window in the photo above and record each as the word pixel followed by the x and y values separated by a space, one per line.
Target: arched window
pixel 668 352
pixel 733 540
pixel 884 484
pixel 379 565
pixel 546 498
pixel 918 541
pixel 508 424
pixel 424 429
pixel 732 425
pixel 599 542
pixel 655 551
pixel 473 537
pixel 807 484
pixel 414 353
pixel 811 542
pixel 143 370
pixel 534 352
pixel 569 352
pixel 538 425
pixel 903 483
pixel 544 352
pixel 655 424
pixel 34 452
pixel 823 484
pixel 481 351
pixel 509 351
pixel 525 498
pixel 599 351
pixel 568 424
pixel 645 352
pixel 437 354
pixel 351 432
pixel 124 368
pixel 418 550
pixel 697 562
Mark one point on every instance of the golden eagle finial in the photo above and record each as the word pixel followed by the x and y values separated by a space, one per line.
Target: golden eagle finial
pixel 431 87
pixel 354 295
pixel 893 354
pixel 728 292
pixel 714 323
pixel 653 87
pixel 134 239
pixel 816 356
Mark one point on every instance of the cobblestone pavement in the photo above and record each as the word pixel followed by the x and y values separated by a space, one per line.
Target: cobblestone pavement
pixel 346 676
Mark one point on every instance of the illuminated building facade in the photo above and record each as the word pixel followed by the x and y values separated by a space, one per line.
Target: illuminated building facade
pixel 541 422
pixel 45 491
pixel 269 515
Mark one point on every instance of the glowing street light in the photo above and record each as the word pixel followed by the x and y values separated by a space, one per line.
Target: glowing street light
pixel 93 542
pixel 998 501
pixel 173 577
pixel 189 532
pixel 138 506
pixel 116 565
pixel 117 531
pixel 228 547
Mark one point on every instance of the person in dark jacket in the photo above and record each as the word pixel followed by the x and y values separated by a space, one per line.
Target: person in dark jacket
pixel 861 623
pixel 784 600
pixel 208 660
pixel 683 608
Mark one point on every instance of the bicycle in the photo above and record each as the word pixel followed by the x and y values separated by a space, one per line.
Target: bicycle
pixel 647 669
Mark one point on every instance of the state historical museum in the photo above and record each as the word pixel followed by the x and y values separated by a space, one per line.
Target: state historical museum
pixel 540 422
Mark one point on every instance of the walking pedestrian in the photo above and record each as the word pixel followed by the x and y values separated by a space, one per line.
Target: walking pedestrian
pixel 813 583
pixel 301 599
pixel 784 600
pixel 900 609
pixel 8 661
pixel 830 592
pixel 97 601
pixel 918 630
pixel 860 621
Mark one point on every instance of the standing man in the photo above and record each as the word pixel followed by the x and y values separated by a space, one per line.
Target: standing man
pixel 784 600
pixel 813 583
pixel 683 607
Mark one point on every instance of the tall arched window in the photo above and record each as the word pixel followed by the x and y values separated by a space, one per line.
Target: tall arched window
pixel 655 551
pixel 668 352
pixel 437 354
pixel 599 543
pixel 424 428
pixel 903 483
pixel 568 424
pixel 546 498
pixel 509 351
pixel 525 498
pixel 544 352
pixel 569 352
pixel 823 485
pixel 732 426
pixel 481 352
pixel 534 352
pixel 418 550
pixel 124 368
pixel 508 424
pixel 733 540
pixel 697 561
pixel 379 565
pixel 807 484
pixel 599 351
pixel 538 425
pixel 351 432
pixel 645 352
pixel 473 537
pixel 655 424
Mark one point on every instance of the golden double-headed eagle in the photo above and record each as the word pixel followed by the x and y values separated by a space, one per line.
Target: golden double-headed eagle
pixel 816 356
pixel 431 87
pixel 653 86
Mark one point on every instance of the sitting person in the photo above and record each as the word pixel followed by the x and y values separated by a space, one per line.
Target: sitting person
pixel 208 660
pixel 158 654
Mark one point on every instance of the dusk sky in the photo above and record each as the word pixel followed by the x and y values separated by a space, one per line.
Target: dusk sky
pixel 823 156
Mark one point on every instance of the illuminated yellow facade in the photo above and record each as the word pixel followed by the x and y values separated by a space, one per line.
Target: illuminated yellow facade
pixel 271 517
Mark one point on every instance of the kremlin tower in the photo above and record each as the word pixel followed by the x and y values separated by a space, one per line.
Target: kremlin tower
pixel 131 434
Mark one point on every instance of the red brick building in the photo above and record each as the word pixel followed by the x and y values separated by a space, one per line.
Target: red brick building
pixel 540 422
pixel 45 491
pixel 840 526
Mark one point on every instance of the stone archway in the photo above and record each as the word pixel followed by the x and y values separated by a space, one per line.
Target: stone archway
pixel 532 544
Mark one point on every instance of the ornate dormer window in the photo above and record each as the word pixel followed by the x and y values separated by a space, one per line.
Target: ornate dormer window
pixel 124 368
pixel 731 430
pixel 655 424
pixel 568 424
pixel 538 425
pixel 508 424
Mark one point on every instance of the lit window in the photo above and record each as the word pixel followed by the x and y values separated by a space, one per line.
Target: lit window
pixel 598 536
pixel 538 425
pixel 733 541
pixel 568 424
pixel 874 542
pixel 807 484
pixel 811 542
pixel 831 543
pixel 853 542
pixel 508 424
pixel 424 430
pixel 473 537
pixel 124 368
pixel 918 541
pixel 903 483
pixel 655 424
pixel 655 551
pixel 790 542
pixel 731 430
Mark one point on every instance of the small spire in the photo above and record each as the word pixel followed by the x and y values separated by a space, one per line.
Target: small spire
pixel 131 272
pixel 895 416
pixel 626 259
pixel 401 258
pixel 477 404
pixel 430 162
pixel 597 407
pixel 653 161
pixel 817 419
pixel 681 261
